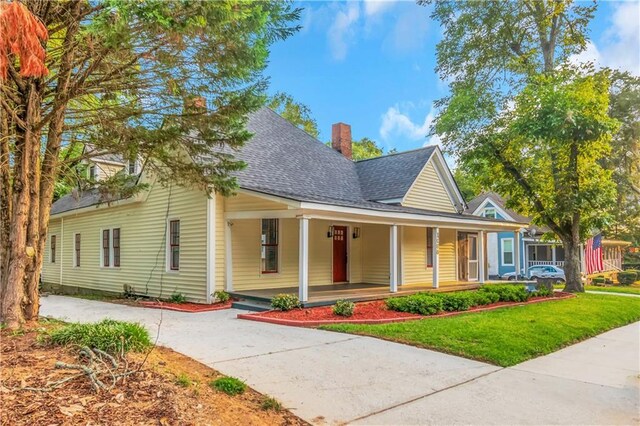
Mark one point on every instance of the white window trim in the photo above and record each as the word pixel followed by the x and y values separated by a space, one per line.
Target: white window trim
pixel 110 229
pixel 502 252
pixel 493 209
pixel 271 274
pixel 167 251
pixel 75 259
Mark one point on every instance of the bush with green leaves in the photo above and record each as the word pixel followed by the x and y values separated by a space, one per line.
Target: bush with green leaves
pixel 627 277
pixel 221 296
pixel 285 302
pixel 419 303
pixel 107 335
pixel 542 291
pixel 485 297
pixel 344 308
pixel 599 280
pixel 459 301
pixel 507 292
pixel 177 298
pixel 229 385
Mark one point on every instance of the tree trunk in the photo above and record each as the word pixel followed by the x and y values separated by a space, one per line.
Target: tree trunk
pixel 572 264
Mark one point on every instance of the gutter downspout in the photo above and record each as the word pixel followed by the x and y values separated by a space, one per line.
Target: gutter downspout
pixel 61 248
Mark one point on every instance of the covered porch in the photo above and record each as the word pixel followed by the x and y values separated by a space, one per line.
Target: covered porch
pixel 324 253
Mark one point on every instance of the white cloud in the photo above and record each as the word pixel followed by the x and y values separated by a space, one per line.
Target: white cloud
pixel 409 32
pixel 619 47
pixel 373 7
pixel 341 32
pixel 396 123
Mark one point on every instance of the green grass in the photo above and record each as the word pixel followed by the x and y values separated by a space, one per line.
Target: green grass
pixel 229 385
pixel 617 289
pixel 108 335
pixel 512 335
pixel 271 404
pixel 183 380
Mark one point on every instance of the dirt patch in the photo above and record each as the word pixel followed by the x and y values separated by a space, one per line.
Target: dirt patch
pixel 184 307
pixel 375 312
pixel 152 396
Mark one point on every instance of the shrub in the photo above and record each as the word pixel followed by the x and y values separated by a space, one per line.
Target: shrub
pixel 178 298
pixel 627 277
pixel 285 302
pixel 507 293
pixel 221 296
pixel 542 291
pixel 269 403
pixel 599 280
pixel 420 303
pixel 460 301
pixel 485 297
pixel 108 335
pixel 344 308
pixel 229 385
pixel 183 380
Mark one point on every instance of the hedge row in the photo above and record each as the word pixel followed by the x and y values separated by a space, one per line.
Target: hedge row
pixel 433 303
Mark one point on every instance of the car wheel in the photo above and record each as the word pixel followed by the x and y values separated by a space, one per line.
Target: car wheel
pixel 560 281
pixel 511 278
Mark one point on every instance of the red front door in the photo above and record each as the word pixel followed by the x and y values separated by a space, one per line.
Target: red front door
pixel 339 254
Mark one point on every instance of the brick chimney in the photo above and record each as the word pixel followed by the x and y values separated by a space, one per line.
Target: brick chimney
pixel 341 139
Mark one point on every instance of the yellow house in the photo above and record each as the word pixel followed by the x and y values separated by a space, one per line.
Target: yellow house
pixel 306 219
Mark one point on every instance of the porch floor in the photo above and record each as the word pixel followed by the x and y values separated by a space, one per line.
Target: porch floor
pixel 320 295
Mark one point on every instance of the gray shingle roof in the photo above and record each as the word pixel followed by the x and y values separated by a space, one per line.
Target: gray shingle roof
pixel 390 176
pixel 83 199
pixel 500 202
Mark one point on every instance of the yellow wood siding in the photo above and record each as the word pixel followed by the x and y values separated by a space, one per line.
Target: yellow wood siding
pixel 106 171
pixel 429 192
pixel 414 259
pixel 375 254
pixel 242 202
pixel 143 246
pixel 51 271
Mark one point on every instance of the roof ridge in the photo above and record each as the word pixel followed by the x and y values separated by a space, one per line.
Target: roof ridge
pixel 397 153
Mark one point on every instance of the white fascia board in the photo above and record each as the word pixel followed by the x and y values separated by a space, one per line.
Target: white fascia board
pixel 289 202
pixel 263 214
pixel 390 201
pixel 494 205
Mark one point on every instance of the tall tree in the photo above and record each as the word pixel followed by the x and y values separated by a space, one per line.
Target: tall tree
pixel 624 160
pixel 295 112
pixel 493 51
pixel 150 78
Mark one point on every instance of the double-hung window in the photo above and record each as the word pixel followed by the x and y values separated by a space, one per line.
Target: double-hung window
pixel 76 249
pixel 269 249
pixel 174 245
pixel 52 246
pixel 507 251
pixel 111 248
pixel 429 247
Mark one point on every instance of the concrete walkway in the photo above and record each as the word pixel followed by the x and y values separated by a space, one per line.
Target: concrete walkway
pixel 611 293
pixel 331 378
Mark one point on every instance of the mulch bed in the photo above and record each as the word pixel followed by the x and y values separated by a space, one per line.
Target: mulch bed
pixel 374 312
pixel 184 307
pixel 150 397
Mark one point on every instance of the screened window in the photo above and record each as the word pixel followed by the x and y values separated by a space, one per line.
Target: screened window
pixel 116 247
pixel 52 255
pixel 77 250
pixel 429 247
pixel 106 248
pixel 270 238
pixel 507 251
pixel 174 245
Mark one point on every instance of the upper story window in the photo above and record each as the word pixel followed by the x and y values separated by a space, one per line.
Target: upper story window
pixel 52 247
pixel 174 245
pixel 132 167
pixel 429 247
pixel 110 256
pixel 269 250
pixel 490 212
pixel 93 172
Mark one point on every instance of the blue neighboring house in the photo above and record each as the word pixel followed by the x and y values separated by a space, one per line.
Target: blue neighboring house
pixel 503 254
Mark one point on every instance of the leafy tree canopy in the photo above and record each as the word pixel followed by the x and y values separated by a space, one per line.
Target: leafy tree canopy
pixel 297 113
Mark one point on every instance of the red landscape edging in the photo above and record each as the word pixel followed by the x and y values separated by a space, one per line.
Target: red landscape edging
pixel 316 323
pixel 185 307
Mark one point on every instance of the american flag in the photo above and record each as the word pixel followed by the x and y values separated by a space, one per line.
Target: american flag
pixel 593 254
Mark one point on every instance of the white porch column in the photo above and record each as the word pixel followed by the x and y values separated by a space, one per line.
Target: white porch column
pixel 303 261
pixel 516 252
pixel 481 257
pixel 553 254
pixel 228 266
pixel 393 261
pixel 211 246
pixel 583 263
pixel 436 256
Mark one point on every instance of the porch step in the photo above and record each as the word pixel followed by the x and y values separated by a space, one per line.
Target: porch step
pixel 251 305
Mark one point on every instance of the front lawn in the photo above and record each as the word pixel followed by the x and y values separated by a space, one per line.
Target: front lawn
pixel 618 289
pixel 511 335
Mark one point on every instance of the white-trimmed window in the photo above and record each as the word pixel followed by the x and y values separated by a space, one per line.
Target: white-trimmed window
pixel 76 250
pixel 132 167
pixel 507 251
pixel 174 245
pixel 93 172
pixel 490 212
pixel 110 248
pixel 52 249
pixel 270 237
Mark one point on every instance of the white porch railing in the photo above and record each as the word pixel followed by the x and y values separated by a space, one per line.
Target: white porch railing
pixel 558 263
pixel 612 264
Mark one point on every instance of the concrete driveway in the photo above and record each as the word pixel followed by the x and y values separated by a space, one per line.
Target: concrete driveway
pixel 331 378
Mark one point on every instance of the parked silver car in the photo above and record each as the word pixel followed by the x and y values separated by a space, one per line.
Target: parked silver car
pixel 539 271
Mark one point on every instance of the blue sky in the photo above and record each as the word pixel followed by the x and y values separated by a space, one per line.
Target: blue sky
pixel 371 64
